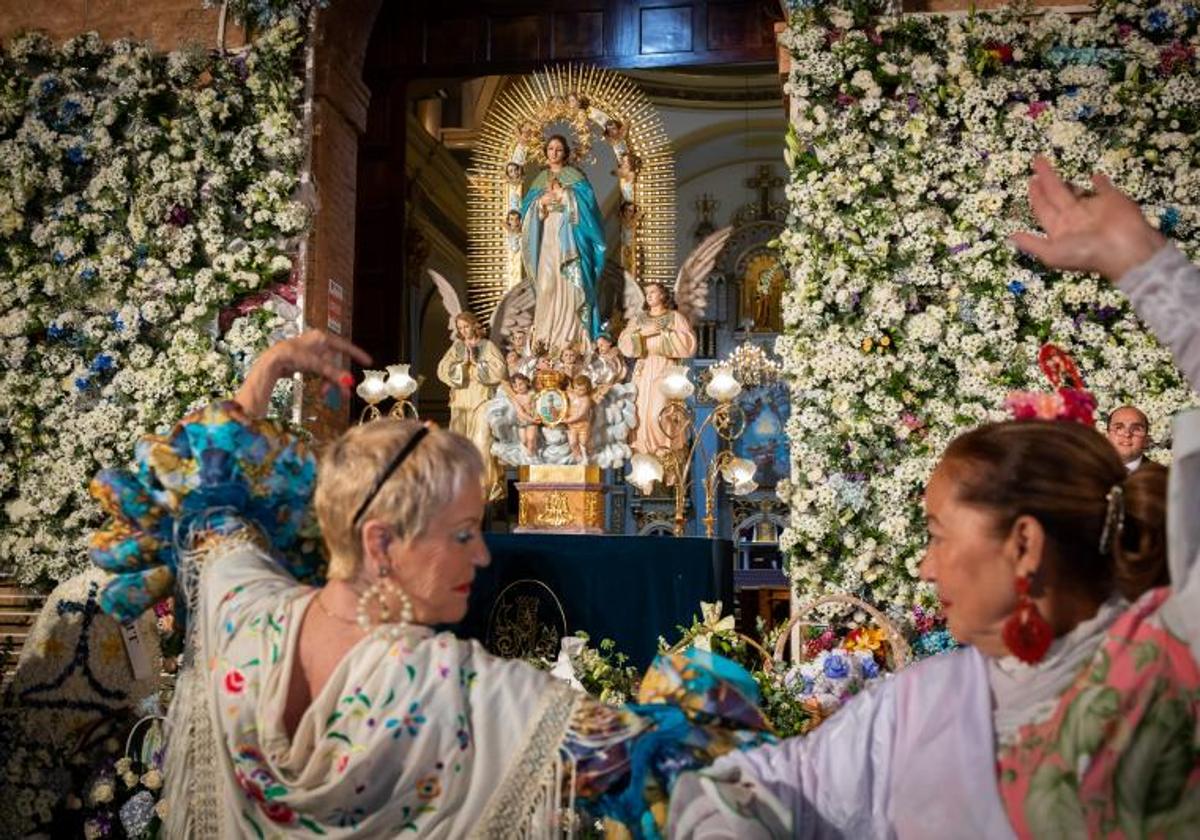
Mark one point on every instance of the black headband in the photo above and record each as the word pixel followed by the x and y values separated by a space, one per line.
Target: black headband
pixel 404 452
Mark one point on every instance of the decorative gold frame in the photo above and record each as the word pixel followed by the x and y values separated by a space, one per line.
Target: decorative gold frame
pixel 511 132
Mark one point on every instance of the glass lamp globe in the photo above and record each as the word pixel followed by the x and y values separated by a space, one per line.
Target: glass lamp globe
pixel 644 470
pixel 722 386
pixel 739 472
pixel 400 384
pixel 675 384
pixel 373 388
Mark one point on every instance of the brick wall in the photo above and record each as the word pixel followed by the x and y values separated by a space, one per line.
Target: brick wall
pixel 167 24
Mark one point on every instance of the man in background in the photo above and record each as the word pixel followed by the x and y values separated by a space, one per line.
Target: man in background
pixel 1129 433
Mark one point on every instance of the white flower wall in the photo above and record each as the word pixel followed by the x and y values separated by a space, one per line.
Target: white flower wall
pixel 147 230
pixel 909 318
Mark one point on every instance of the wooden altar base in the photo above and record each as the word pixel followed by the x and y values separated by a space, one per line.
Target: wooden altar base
pixel 560 499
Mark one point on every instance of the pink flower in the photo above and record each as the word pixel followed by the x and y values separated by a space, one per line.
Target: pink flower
pixel 1036 109
pixel 1175 56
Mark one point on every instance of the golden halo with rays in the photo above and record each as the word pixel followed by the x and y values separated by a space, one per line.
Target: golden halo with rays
pixel 586 98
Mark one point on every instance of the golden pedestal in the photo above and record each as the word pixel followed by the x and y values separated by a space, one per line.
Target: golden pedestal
pixel 567 499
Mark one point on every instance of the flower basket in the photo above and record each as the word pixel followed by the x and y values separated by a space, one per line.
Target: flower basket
pixel 899 654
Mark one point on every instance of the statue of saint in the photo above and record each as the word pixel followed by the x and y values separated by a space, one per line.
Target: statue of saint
pixel 472 368
pixel 562 248
pixel 658 338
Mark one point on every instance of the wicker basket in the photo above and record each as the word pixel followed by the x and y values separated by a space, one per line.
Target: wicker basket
pixel 684 644
pixel 899 653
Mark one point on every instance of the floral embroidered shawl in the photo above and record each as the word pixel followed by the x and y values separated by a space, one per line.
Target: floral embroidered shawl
pixel 425 734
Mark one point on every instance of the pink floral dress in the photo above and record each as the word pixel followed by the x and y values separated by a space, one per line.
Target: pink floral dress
pixel 1120 757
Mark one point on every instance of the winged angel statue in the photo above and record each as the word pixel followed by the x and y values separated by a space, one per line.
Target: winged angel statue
pixel 572 404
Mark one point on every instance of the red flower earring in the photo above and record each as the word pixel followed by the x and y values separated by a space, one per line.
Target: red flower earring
pixel 1026 633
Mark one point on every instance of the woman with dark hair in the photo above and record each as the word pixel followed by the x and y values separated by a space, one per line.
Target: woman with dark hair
pixel 1074 710
pixel 562 248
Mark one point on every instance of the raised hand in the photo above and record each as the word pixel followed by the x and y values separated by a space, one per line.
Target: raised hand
pixel 313 352
pixel 1104 232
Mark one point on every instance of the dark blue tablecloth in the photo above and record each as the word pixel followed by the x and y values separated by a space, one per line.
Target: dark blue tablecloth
pixel 628 589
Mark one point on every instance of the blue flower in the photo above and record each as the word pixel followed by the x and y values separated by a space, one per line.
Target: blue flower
pixel 59 258
pixel 102 363
pixel 836 667
pixel 88 273
pixel 69 110
pixel 118 324
pixel 76 155
pixel 82 383
pixel 870 668
pixel 1168 219
pixel 1016 287
pixel 49 86
pixel 1157 20
pixel 1084 111
pixel 54 331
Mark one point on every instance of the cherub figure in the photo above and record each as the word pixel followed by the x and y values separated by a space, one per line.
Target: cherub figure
pixel 575 102
pixel 607 365
pixel 512 360
pixel 614 130
pixel 514 173
pixel 512 222
pixel 518 393
pixel 569 362
pixel 628 167
pixel 582 399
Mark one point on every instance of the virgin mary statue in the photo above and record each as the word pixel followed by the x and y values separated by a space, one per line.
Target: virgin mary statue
pixel 562 248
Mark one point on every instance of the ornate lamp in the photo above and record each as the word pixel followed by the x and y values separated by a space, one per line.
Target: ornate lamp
pixel 737 472
pixel 675 384
pixel 400 386
pixel 727 420
pixel 644 470
pixel 373 390
pixel 723 387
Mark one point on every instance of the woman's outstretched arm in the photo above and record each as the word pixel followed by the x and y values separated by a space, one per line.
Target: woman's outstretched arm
pixel 314 351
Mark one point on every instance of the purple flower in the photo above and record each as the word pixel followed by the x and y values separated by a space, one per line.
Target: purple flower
pixel 914 104
pixel 958 249
pixel 179 216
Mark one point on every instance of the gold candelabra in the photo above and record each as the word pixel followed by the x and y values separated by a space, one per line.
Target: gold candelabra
pixel 674 463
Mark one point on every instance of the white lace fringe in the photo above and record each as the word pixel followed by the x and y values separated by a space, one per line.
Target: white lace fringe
pixel 191 786
pixel 529 803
